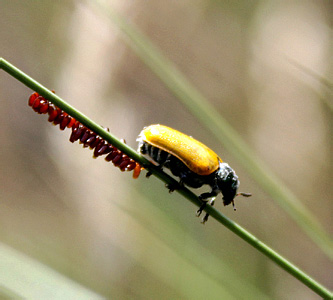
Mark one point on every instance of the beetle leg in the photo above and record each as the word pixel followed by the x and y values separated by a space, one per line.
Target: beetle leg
pixel 149 173
pixel 203 197
pixel 205 218
pixel 173 187
pixel 161 165
pixel 201 208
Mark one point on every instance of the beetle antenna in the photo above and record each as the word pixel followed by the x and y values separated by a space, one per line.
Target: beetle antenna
pixel 244 194
pixel 240 194
pixel 233 205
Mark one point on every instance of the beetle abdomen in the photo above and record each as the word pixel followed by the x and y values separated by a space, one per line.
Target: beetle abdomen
pixel 176 166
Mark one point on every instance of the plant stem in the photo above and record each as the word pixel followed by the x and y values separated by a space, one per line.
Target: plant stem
pixel 231 225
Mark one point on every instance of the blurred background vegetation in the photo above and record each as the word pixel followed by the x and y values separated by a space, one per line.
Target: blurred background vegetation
pixel 79 222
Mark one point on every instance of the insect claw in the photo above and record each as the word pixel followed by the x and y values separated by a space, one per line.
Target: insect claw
pixel 149 174
pixel 205 219
pixel 171 187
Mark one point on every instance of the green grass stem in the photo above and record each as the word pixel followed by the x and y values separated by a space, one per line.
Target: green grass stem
pixel 231 225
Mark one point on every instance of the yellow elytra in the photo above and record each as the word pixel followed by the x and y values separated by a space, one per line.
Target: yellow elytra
pixel 195 155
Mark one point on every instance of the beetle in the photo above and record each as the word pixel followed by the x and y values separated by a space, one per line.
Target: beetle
pixel 190 160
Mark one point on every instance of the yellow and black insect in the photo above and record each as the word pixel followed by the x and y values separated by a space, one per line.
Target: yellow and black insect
pixel 190 160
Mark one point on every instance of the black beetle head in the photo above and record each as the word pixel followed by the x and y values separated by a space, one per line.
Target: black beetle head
pixel 227 182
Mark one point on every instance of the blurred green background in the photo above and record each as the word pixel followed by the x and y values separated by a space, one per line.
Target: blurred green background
pixel 82 227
